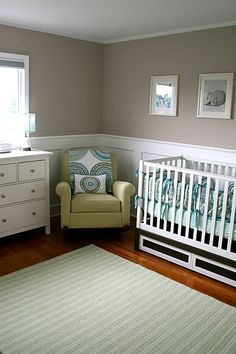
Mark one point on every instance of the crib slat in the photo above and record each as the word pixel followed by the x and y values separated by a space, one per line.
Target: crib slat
pixel 153 195
pixel 159 198
pixel 223 215
pixel 214 211
pixel 166 201
pixel 232 220
pixel 212 168
pixel 219 170
pixel 147 177
pixel 189 210
pixel 140 192
pixel 205 166
pixel 181 203
pixel 233 173
pixel 174 202
pixel 206 203
pixel 226 171
pixel 197 207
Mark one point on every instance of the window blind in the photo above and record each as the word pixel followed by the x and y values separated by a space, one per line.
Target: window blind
pixel 12 63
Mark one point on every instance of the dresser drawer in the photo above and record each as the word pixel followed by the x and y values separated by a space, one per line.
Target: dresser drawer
pixel 22 216
pixel 31 170
pixel 7 173
pixel 22 192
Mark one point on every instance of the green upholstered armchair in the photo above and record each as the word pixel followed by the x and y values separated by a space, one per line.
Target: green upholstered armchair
pixel 94 210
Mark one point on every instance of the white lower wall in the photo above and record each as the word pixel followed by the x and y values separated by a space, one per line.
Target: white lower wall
pixel 129 151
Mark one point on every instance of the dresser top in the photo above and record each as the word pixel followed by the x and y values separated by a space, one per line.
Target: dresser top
pixel 18 154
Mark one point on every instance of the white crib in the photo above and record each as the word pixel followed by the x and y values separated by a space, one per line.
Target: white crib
pixel 186 214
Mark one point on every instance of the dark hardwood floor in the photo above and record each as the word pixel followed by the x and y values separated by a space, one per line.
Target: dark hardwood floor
pixel 22 250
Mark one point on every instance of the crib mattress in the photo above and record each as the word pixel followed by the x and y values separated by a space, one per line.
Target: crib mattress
pixel 168 216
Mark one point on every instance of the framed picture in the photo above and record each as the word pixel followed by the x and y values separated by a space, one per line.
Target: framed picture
pixel 215 95
pixel 163 95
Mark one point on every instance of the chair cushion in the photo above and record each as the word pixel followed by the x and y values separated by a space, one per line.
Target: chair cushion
pixel 86 203
pixel 90 161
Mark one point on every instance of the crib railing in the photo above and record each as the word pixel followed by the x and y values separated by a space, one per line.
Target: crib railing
pixel 196 164
pixel 184 200
pixel 216 167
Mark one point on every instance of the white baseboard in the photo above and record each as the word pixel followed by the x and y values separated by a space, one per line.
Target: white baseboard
pixel 55 209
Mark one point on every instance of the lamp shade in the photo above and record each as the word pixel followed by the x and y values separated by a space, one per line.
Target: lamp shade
pixel 29 122
pixel 15 127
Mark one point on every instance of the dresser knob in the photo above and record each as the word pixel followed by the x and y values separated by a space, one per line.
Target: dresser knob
pixel 4 219
pixel 32 170
pixel 2 174
pixel 33 190
pixel 33 212
pixel 3 196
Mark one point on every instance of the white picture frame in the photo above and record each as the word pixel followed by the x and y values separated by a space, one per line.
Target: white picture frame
pixel 215 95
pixel 163 95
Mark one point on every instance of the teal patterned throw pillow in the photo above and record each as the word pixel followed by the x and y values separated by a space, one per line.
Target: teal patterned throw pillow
pixel 90 161
pixel 90 184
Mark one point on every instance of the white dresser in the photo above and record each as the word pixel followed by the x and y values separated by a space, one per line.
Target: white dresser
pixel 24 191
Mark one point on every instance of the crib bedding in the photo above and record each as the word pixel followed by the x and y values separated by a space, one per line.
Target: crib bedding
pixel 198 195
pixel 198 200
pixel 166 214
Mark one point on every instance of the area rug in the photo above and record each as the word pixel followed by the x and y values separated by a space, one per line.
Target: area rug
pixel 92 301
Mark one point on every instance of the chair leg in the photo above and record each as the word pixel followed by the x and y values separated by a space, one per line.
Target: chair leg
pixel 67 231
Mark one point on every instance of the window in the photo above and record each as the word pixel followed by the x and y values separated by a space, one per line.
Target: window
pixel 14 93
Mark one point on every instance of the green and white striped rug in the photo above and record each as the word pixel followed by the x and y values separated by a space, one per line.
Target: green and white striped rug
pixel 92 301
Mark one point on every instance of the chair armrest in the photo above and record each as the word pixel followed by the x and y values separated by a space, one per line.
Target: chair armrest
pixel 123 191
pixel 63 190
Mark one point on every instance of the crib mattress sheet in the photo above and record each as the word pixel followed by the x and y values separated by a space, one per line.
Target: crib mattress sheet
pixel 169 212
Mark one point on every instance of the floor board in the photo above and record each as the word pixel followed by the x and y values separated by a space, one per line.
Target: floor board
pixel 31 247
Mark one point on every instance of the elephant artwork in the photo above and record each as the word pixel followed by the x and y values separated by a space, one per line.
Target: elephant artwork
pixel 215 98
pixel 215 95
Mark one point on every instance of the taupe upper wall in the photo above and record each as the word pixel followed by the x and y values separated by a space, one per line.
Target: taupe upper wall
pixel 128 67
pixel 67 84
pixel 66 80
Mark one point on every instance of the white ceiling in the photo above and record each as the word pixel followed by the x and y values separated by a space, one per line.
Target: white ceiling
pixel 108 21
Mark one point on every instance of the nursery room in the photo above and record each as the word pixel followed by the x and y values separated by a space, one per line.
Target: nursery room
pixel 117 177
